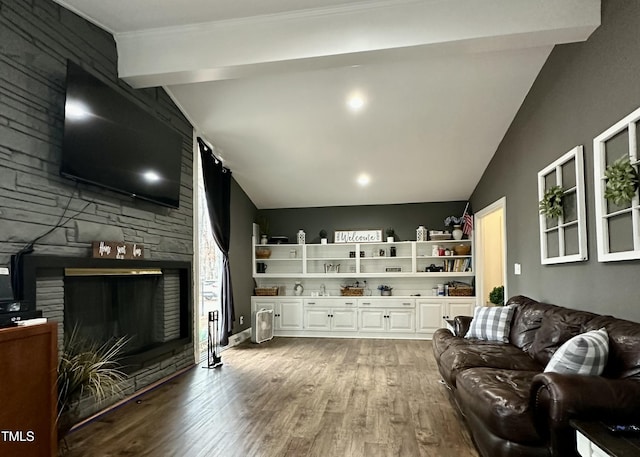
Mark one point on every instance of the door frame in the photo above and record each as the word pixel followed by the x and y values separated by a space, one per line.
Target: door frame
pixel 500 204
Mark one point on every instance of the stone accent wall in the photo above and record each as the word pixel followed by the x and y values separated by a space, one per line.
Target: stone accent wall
pixel 36 38
pixel 171 308
pixel 50 299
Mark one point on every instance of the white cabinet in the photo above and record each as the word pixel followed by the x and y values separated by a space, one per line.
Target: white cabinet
pixel 287 313
pixel 386 315
pixel 430 314
pixel 460 307
pixel 432 311
pixel 330 315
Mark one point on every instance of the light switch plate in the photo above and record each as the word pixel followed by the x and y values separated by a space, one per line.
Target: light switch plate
pixel 517 269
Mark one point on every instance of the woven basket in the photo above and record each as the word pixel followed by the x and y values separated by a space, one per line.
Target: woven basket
pixel 263 253
pixel 352 291
pixel 266 291
pixel 460 291
pixel 462 249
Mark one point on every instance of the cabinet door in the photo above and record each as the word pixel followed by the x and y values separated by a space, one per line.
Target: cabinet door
pixel 290 315
pixel 372 320
pixel 344 319
pixel 266 304
pixel 401 320
pixel 429 317
pixel 317 318
pixel 460 308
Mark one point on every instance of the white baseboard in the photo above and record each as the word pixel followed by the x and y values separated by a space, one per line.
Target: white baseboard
pixel 238 338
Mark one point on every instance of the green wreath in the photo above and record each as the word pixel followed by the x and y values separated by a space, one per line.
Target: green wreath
pixel 551 203
pixel 622 182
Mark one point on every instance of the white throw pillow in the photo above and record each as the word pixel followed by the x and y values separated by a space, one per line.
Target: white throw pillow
pixel 491 323
pixel 585 354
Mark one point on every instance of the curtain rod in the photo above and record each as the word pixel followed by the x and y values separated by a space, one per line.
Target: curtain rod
pixel 208 149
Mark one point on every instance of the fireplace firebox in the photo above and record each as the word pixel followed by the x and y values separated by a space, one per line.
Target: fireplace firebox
pixel 147 301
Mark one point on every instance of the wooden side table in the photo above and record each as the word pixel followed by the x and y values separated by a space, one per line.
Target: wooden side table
pixel 28 394
pixel 595 440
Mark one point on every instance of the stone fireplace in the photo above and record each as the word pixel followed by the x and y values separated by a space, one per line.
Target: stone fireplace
pixel 147 301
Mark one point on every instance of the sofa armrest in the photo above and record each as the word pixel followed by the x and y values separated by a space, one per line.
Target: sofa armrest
pixel 462 324
pixel 558 398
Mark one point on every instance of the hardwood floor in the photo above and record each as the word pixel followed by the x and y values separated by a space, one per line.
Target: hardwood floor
pixel 292 397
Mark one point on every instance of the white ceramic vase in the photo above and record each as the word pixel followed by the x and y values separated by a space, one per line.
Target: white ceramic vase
pixel 457 232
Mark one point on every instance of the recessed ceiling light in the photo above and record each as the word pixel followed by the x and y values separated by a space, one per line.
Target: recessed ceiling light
pixel 355 102
pixel 363 179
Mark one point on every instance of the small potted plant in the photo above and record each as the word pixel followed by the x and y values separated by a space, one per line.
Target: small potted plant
pixel 551 203
pixel 323 236
pixel 622 182
pixel 384 290
pixel 390 235
pixel 496 296
pixel 86 369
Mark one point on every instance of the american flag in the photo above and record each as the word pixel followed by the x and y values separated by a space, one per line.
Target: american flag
pixel 467 223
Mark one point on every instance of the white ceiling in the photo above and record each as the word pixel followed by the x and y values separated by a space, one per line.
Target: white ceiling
pixel 266 83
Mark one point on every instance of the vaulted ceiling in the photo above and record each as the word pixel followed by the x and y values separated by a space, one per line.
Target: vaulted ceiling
pixel 268 83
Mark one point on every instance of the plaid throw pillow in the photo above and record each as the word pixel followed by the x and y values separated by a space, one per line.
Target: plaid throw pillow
pixel 491 323
pixel 583 354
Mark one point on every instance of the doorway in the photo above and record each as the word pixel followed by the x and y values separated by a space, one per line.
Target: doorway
pixel 491 249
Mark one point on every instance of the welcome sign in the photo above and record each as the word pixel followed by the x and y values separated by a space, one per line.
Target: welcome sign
pixel 357 236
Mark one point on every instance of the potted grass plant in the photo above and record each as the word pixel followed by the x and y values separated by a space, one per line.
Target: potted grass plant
pixel 86 370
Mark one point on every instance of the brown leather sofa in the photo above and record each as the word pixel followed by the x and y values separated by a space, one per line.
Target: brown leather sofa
pixel 511 407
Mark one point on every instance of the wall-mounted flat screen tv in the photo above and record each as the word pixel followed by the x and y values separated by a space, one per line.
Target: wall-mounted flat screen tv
pixel 112 142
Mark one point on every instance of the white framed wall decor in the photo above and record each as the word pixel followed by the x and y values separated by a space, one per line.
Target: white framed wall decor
pixel 617 223
pixel 563 238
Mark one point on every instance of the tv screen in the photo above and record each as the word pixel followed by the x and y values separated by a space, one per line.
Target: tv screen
pixel 112 142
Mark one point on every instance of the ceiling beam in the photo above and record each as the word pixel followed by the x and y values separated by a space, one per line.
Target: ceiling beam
pixel 346 35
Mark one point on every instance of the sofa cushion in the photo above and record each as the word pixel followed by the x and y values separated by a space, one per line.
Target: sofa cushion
pixel 491 323
pixel 526 321
pixel 584 354
pixel 559 325
pixel 501 399
pixel 466 354
pixel 624 346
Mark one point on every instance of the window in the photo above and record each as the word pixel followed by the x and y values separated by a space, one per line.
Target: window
pixel 564 238
pixel 617 226
pixel 209 261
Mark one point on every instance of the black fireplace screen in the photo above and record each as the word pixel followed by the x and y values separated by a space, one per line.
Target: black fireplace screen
pixel 106 307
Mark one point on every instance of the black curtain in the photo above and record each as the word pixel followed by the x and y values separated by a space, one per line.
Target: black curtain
pixel 217 189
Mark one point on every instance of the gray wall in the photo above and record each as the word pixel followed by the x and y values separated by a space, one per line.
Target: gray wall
pixel 404 219
pixel 37 37
pixel 243 213
pixel 582 90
